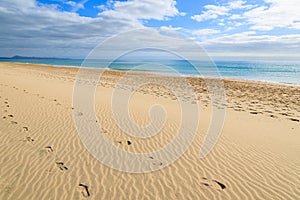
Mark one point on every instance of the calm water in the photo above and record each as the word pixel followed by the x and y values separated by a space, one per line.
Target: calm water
pixel 262 71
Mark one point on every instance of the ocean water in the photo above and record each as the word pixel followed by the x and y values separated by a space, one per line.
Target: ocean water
pixel 278 72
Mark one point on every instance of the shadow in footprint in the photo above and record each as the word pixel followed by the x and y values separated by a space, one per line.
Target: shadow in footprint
pixel 49 148
pixel 86 192
pixel 214 184
pixel 61 166
pixel 29 139
pixel 155 162
pixel 220 184
pixel 294 120
pixel 273 116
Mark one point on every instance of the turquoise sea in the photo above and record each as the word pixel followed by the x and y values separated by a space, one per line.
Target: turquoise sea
pixel 279 72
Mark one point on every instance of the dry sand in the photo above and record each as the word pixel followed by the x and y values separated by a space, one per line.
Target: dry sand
pixel 42 157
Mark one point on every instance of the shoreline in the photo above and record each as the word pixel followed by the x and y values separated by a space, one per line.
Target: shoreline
pixel 199 85
pixel 158 73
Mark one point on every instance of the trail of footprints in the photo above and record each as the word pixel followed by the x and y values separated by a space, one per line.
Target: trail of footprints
pixel 238 97
pixel 272 100
pixel 254 108
pixel 213 184
pixel 28 139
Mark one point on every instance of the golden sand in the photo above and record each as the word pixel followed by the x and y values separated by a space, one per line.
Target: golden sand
pixel 42 156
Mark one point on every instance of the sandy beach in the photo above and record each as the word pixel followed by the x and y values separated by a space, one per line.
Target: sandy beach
pixel 42 156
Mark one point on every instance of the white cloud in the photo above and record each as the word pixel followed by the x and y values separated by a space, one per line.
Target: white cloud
pixel 30 28
pixel 238 24
pixel 143 9
pixel 205 32
pixel 239 4
pixel 76 6
pixel 229 29
pixel 213 11
pixel 71 3
pixel 182 14
pixel 170 28
pixel 281 14
pixel 234 38
pixel 236 4
pixel 20 4
pixel 249 44
pixel 252 44
pixel 295 25
pixel 269 15
pixel 101 7
pixel 235 16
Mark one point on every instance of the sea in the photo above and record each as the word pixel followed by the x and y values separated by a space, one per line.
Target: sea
pixel 276 72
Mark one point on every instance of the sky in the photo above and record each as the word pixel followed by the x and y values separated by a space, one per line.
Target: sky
pixel 234 29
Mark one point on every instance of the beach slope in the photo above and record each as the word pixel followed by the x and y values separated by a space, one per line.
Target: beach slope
pixel 42 156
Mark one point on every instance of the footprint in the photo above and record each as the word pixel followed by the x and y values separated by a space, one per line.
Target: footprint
pixel 49 148
pixel 13 122
pixel 86 192
pixel 214 184
pixel 155 162
pixel 220 184
pixel 61 166
pixel 10 115
pixel 46 152
pixel 294 120
pixel 284 114
pixel 29 139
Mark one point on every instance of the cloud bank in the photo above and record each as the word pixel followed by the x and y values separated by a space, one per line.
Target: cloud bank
pixel 32 28
pixel 236 27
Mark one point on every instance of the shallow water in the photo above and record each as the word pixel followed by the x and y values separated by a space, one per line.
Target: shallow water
pixel 283 72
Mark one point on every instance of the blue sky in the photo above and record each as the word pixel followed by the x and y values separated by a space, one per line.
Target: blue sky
pixel 234 28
